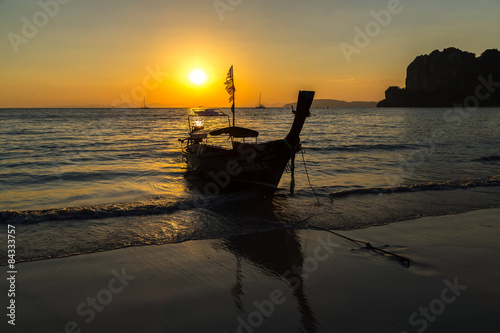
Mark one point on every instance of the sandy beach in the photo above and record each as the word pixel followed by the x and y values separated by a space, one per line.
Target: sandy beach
pixel 277 281
pixel 250 166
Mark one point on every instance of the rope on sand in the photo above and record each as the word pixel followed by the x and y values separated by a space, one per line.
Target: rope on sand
pixel 403 260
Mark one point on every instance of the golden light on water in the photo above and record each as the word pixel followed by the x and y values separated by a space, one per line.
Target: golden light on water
pixel 197 76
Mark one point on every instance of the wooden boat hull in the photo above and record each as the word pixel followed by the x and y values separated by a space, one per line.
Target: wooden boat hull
pixel 257 167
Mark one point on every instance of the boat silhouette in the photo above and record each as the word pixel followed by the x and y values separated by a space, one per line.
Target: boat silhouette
pixel 243 165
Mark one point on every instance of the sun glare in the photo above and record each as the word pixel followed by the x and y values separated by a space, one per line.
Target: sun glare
pixel 197 76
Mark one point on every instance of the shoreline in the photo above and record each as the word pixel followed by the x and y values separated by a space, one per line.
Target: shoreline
pixel 279 280
pixel 155 227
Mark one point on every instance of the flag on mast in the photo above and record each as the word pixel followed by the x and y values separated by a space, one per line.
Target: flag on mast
pixel 230 88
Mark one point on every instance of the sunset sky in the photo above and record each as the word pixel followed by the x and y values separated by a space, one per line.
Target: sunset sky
pixel 82 52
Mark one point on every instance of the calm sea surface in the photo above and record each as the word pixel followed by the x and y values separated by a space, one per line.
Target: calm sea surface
pixel 86 180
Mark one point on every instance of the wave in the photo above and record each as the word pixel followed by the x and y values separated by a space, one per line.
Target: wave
pixel 453 184
pixel 156 206
pixel 87 212
pixel 367 147
pixel 94 212
pixel 487 159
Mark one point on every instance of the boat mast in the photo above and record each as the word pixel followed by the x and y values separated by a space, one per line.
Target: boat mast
pixel 234 92
pixel 231 89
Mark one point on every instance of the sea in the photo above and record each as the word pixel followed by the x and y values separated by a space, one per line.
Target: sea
pixel 76 181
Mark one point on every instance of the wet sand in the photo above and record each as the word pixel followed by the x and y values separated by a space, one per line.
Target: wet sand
pixel 278 281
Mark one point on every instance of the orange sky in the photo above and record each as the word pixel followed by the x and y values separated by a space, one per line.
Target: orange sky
pixel 90 52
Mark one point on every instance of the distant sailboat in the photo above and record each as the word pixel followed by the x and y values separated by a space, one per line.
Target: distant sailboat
pixel 260 106
pixel 144 104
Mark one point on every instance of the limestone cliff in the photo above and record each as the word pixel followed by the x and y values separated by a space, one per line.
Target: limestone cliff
pixel 447 78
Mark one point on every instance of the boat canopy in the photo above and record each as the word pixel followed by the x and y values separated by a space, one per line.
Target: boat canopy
pixel 199 134
pixel 209 112
pixel 237 132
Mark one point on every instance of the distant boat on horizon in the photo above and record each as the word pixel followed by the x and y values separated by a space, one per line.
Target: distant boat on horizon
pixel 144 104
pixel 260 106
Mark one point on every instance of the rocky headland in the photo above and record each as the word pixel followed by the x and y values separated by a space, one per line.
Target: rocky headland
pixel 448 78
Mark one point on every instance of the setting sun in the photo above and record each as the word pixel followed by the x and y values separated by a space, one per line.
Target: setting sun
pixel 197 76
